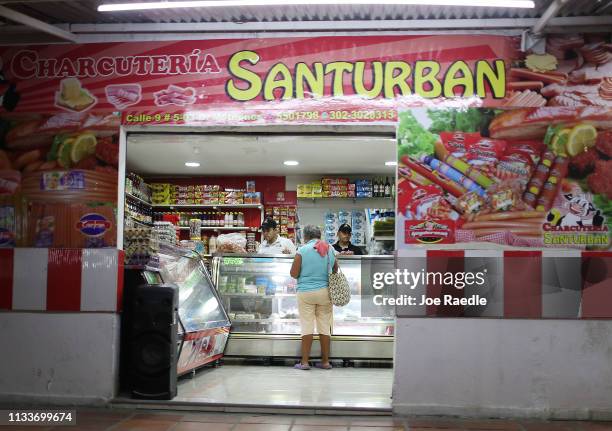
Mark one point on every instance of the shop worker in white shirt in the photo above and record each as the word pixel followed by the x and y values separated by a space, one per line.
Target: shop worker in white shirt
pixel 272 242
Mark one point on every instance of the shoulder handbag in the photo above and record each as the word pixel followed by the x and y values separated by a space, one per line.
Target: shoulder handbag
pixel 339 289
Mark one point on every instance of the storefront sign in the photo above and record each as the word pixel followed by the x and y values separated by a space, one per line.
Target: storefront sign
pixel 196 81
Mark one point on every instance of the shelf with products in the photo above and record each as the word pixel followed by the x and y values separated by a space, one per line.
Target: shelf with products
pixel 137 199
pixel 344 199
pixel 209 206
pixel 137 189
pixel 346 188
pixel 131 219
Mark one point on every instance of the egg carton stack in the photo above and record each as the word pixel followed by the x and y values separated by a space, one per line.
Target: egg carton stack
pixel 139 246
pixel 164 232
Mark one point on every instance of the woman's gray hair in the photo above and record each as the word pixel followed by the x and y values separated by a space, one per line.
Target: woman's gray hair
pixel 311 232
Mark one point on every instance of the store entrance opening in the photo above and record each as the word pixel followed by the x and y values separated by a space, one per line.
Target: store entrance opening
pixel 204 196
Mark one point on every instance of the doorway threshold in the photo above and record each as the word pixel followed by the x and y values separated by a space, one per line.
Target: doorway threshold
pixel 195 405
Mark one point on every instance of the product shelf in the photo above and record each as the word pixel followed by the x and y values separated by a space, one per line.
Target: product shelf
pixel 373 198
pixel 135 220
pixel 194 206
pixel 138 199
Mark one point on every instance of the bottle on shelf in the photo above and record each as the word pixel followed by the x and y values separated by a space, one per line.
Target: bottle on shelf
pixel 387 188
pixel 212 244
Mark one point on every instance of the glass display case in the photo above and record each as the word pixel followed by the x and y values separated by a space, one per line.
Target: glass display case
pixel 203 323
pixel 259 296
pixel 199 304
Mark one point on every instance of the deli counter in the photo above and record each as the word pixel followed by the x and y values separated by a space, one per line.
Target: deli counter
pixel 259 297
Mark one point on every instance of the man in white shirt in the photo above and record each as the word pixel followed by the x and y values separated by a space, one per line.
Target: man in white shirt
pixel 272 242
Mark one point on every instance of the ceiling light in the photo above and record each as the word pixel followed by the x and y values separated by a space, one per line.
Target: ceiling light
pixel 192 164
pixel 291 163
pixel 115 7
pixel 393 163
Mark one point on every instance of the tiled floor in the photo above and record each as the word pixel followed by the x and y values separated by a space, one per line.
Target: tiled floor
pixel 285 386
pixel 131 420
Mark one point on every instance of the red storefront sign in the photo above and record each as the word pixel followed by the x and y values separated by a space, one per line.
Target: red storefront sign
pixel 259 80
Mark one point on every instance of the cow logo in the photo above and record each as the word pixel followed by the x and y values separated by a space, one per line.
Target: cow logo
pixel 576 222
pixel 579 211
pixel 93 225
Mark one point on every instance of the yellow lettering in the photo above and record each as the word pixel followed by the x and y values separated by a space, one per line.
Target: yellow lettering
pixel 337 69
pixel 285 82
pixel 465 80
pixel 427 72
pixel 393 80
pixel 315 80
pixel 377 79
pixel 496 78
pixel 251 78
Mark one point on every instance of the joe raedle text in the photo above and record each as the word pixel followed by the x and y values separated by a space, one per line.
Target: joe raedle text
pixel 403 300
pixel 412 279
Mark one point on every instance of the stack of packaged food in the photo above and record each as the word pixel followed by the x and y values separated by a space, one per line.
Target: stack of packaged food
pixel 311 190
pixel 251 246
pixel 164 232
pixel 329 187
pixel 136 186
pixel 206 194
pixel 363 188
pixel 160 194
pixel 139 246
pixel 286 216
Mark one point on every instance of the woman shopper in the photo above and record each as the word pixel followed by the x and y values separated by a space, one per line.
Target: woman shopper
pixel 311 267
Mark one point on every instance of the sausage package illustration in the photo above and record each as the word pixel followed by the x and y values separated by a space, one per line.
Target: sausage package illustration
pixel 527 177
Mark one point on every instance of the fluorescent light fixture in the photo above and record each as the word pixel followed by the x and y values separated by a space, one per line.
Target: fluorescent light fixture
pixel 192 164
pixel 391 163
pixel 291 163
pixel 116 7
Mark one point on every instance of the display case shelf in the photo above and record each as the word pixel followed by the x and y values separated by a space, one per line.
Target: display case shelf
pixel 138 199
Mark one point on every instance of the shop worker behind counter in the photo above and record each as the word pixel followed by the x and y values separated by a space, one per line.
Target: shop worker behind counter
pixel 311 266
pixel 272 242
pixel 344 245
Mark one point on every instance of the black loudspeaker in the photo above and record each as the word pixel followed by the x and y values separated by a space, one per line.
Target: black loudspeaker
pixel 152 342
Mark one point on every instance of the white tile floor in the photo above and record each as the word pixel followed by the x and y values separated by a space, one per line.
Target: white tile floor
pixel 285 386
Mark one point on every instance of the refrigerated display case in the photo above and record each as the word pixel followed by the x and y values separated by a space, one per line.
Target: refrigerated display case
pixel 259 296
pixel 203 323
